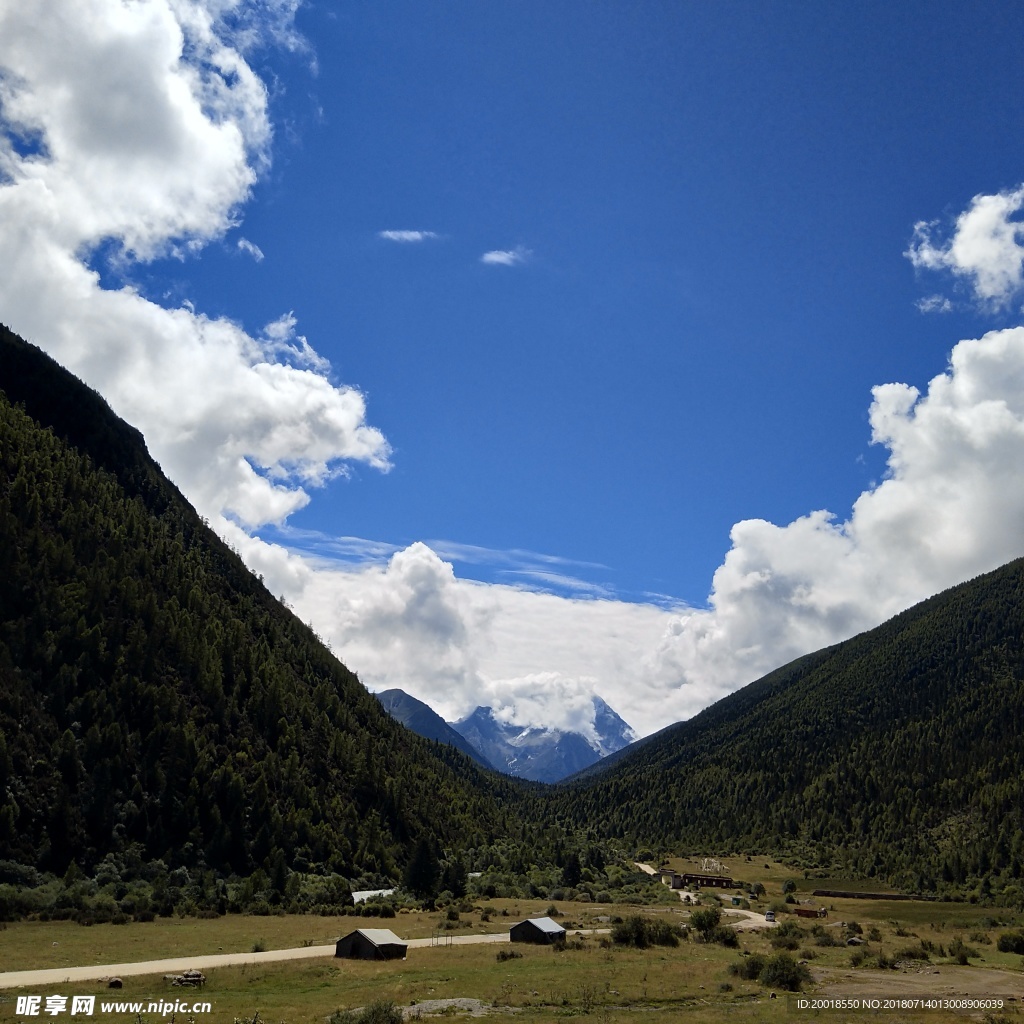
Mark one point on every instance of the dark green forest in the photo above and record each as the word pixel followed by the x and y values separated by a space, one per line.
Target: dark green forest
pixel 158 703
pixel 165 721
pixel 896 754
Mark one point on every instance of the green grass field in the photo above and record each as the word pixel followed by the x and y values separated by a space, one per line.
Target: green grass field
pixel 689 983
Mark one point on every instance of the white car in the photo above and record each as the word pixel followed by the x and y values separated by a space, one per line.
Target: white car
pixel 769 915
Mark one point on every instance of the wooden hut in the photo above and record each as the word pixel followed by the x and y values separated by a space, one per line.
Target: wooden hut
pixel 371 944
pixel 537 929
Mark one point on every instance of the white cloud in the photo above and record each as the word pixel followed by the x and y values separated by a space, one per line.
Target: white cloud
pixel 244 245
pixel 407 236
pixel 935 304
pixel 151 128
pixel 140 126
pixel 985 249
pixel 412 623
pixel 952 506
pixel 506 257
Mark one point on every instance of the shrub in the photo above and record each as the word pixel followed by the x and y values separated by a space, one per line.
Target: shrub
pixel 959 952
pixel 917 952
pixel 788 935
pixel 1011 942
pixel 638 932
pixel 706 921
pixel 724 936
pixel 507 954
pixel 631 932
pixel 782 971
pixel 749 968
pixel 381 1011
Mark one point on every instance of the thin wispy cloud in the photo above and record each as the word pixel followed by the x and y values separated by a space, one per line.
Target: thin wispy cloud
pixel 506 257
pixel 934 304
pixel 473 554
pixel 554 582
pixel 329 550
pixel 407 236
pixel 251 248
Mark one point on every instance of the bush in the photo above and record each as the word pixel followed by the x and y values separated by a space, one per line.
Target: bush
pixel 959 952
pixel 1011 942
pixel 381 1011
pixel 706 921
pixel 917 952
pixel 638 932
pixel 782 971
pixel 749 968
pixel 787 935
pixel 507 954
pixel 631 932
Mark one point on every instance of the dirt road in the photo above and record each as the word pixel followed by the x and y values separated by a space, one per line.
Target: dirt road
pixel 99 972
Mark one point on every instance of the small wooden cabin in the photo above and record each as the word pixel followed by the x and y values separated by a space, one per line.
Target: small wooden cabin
pixel 537 929
pixel 371 944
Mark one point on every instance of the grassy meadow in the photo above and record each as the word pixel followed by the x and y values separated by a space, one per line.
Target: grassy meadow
pixel 589 978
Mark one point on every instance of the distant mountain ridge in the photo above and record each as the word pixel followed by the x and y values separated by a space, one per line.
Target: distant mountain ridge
pixel 423 720
pixel 895 754
pixel 543 755
pixel 152 689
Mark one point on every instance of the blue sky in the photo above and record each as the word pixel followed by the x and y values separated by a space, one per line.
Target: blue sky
pixel 699 218
pixel 716 200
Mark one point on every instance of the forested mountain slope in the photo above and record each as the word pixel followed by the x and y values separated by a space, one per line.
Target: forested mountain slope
pixel 425 721
pixel 898 753
pixel 155 698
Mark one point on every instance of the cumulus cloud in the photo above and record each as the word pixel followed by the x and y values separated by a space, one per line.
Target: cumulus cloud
pixel 407 236
pixel 985 248
pixel 506 257
pixel 140 128
pixel 410 622
pixel 951 506
pixel 950 509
